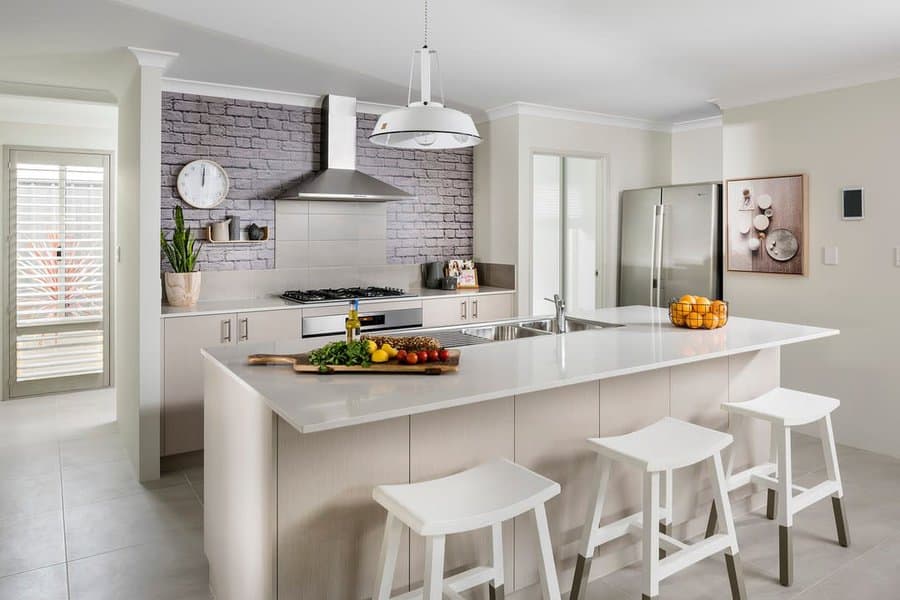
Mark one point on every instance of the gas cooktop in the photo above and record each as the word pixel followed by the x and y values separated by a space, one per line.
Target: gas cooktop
pixel 332 294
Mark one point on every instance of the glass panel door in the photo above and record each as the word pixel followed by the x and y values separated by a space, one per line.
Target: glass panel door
pixel 58 282
pixel 565 254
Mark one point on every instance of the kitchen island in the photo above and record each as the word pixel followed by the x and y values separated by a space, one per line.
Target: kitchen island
pixel 290 459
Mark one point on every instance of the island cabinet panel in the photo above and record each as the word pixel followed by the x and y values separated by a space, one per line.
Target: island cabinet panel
pixel 445 442
pixel 697 391
pixel 551 429
pixel 752 374
pixel 239 512
pixel 329 527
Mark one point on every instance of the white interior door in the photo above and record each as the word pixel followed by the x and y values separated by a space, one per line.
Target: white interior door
pixel 565 254
pixel 58 271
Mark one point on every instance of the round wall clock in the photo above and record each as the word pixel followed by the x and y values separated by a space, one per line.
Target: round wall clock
pixel 203 183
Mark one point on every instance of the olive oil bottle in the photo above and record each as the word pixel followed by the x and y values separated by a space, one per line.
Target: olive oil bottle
pixel 353 323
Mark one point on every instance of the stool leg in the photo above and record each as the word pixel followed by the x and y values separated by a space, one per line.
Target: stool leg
pixel 602 469
pixel 785 508
pixel 712 524
pixel 723 507
pixel 434 568
pixel 650 575
pixel 495 587
pixel 546 566
pixel 834 474
pixel 771 495
pixel 665 525
pixel 387 561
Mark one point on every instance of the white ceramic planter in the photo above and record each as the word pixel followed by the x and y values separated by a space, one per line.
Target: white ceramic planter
pixel 182 289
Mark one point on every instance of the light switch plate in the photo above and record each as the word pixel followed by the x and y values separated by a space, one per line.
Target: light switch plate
pixel 831 255
pixel 897 256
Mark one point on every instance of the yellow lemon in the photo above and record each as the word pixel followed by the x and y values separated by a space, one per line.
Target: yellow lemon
pixel 371 346
pixel 694 320
pixel 701 305
pixel 379 356
pixel 710 321
pixel 391 352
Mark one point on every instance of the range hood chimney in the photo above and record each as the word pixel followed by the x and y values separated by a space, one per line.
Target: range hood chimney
pixel 339 179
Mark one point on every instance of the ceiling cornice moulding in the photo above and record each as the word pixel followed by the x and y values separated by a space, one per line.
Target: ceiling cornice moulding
pixel 252 94
pixel 704 123
pixel 570 114
pixel 160 59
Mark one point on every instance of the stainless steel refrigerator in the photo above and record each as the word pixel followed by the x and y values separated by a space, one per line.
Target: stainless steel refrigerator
pixel 670 243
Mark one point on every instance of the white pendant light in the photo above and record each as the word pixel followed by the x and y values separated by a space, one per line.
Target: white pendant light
pixel 425 124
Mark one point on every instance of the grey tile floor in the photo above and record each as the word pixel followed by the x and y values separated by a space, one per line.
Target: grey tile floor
pixel 75 524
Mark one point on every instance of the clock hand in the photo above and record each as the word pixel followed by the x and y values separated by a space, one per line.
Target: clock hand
pixel 202 176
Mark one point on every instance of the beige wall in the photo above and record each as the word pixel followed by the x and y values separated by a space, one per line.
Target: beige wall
pixel 634 158
pixel 697 155
pixel 840 138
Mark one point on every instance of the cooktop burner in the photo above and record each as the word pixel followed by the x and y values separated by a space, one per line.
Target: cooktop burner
pixel 332 294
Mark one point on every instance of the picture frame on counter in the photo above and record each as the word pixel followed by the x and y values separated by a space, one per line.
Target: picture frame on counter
pixel 766 224
pixel 467 279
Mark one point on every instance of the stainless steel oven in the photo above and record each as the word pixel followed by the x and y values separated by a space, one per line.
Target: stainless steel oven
pixel 371 320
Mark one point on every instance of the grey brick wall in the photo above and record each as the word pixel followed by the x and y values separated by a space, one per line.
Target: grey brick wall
pixel 265 147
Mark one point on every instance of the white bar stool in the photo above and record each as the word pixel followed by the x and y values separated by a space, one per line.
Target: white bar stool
pixel 657 450
pixel 484 496
pixel 784 409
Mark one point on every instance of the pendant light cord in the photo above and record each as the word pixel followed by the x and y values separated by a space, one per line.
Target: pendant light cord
pixel 426 24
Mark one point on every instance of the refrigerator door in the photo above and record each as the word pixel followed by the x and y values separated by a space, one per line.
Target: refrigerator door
pixel 690 242
pixel 638 249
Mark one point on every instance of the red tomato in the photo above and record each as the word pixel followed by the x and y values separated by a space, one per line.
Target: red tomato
pixel 433 355
pixel 423 356
pixel 444 354
pixel 412 358
pixel 401 356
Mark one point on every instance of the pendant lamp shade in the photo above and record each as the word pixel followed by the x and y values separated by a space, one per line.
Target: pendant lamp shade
pixel 420 127
pixel 425 124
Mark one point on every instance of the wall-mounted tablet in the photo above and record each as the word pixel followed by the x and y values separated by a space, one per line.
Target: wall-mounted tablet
pixel 852 204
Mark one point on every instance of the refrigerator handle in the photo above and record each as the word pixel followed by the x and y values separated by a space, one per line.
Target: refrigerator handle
pixel 659 255
pixel 653 230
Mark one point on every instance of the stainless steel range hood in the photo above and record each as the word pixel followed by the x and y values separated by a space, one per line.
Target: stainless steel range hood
pixel 339 179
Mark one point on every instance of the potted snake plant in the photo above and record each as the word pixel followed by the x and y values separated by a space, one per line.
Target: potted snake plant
pixel 182 286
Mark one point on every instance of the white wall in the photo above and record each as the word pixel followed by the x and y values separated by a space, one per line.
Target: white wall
pixel 28 121
pixel 634 158
pixel 840 138
pixel 697 155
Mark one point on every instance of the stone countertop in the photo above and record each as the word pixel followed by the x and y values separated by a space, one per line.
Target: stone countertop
pixel 647 341
pixel 214 307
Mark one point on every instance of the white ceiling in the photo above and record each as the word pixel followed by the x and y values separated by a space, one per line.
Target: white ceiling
pixel 655 59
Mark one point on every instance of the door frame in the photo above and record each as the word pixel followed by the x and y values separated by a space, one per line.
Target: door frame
pixel 602 269
pixel 7 226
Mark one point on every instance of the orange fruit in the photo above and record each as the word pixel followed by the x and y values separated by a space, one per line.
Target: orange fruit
pixel 701 305
pixel 678 319
pixel 710 321
pixel 694 320
pixel 719 308
pixel 687 299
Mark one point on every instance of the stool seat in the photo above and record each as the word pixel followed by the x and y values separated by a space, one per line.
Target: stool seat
pixel 788 407
pixel 665 445
pixel 478 497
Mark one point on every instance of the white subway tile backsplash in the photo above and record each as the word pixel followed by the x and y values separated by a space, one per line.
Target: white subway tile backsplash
pixel 291 254
pixel 371 252
pixel 294 207
pixel 333 253
pixel 291 227
pixel 347 227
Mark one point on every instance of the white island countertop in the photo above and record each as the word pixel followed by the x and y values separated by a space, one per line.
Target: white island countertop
pixel 647 341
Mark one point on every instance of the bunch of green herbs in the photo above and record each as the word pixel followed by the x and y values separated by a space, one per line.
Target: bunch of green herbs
pixel 341 353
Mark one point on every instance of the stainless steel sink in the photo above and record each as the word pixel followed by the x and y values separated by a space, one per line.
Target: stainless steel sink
pixel 572 324
pixel 503 332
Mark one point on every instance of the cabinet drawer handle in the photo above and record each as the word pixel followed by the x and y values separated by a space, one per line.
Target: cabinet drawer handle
pixel 474 309
pixel 462 310
pixel 226 330
pixel 245 329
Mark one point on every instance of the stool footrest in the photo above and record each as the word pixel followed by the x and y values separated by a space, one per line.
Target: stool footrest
pixel 743 478
pixel 814 494
pixel 456 584
pixel 693 553
pixel 632 524
pixel 772 483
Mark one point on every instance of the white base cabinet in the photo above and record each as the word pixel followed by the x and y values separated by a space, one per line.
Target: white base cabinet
pixel 461 310
pixel 182 376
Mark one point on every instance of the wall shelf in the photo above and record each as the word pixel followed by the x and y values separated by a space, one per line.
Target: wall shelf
pixel 265 237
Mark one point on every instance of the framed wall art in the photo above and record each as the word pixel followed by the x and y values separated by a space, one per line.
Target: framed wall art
pixel 766 226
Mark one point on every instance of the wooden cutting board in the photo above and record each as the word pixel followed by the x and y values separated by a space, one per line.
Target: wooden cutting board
pixel 301 364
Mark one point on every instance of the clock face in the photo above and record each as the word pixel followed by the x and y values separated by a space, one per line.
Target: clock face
pixel 203 183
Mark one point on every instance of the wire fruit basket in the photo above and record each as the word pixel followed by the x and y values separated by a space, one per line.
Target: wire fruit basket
pixel 698 312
